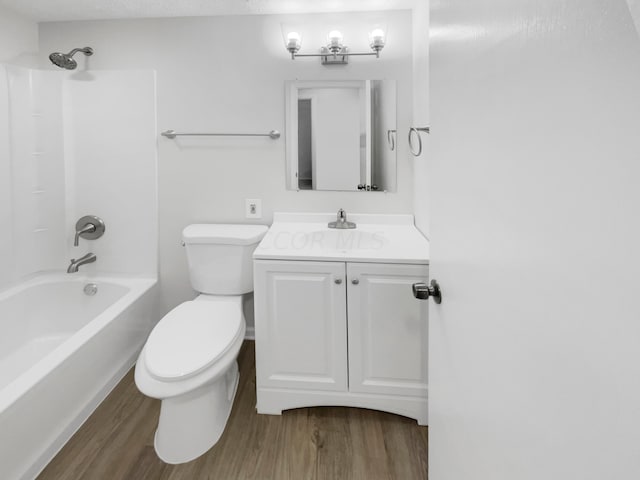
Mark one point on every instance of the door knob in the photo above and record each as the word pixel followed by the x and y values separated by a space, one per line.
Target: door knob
pixel 422 291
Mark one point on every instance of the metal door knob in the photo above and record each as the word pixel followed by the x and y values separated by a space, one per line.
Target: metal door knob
pixel 422 291
pixel 355 281
pixel 338 281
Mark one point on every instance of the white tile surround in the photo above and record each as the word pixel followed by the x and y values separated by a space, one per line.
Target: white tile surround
pixel 61 159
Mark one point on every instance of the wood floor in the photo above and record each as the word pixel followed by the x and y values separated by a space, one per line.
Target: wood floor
pixel 321 443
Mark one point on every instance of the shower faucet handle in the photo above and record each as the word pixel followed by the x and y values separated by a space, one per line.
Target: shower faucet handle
pixel 88 227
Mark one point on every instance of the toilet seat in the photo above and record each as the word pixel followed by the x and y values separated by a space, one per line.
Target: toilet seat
pixel 190 338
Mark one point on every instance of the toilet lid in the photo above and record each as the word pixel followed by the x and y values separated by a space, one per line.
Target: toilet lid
pixel 191 337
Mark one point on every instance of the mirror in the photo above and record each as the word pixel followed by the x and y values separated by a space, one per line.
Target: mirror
pixel 341 135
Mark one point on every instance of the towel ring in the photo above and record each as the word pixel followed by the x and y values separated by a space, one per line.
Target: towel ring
pixel 417 131
pixel 391 139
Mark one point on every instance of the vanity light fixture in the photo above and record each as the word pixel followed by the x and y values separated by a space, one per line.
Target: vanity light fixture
pixel 335 52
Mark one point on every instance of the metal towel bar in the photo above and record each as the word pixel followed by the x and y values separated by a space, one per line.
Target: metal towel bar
pixel 273 134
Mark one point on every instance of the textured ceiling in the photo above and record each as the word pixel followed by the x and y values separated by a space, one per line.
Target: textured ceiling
pixel 61 10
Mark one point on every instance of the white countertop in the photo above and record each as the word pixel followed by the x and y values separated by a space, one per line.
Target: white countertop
pixel 376 239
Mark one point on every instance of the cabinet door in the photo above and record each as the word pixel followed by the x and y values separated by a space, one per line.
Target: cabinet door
pixel 301 333
pixel 387 329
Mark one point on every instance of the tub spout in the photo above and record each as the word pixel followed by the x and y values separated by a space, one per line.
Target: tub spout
pixel 88 258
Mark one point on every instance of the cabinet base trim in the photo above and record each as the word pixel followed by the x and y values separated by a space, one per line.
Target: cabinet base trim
pixel 272 401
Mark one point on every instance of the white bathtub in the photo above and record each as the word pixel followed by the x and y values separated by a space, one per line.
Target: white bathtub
pixel 61 352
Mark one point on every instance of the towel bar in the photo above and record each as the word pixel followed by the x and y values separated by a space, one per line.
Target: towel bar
pixel 273 134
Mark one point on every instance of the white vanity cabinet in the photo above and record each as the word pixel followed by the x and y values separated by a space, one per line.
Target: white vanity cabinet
pixel 340 333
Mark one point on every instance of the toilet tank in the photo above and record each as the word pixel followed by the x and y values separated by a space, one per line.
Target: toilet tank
pixel 220 257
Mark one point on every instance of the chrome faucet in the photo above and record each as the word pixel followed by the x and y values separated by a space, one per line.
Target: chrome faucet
pixel 341 221
pixel 88 258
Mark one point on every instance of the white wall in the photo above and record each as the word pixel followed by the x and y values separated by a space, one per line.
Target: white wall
pixel 420 113
pixel 228 74
pixel 18 39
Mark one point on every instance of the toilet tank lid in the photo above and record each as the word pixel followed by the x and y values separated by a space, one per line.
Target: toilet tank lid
pixel 228 234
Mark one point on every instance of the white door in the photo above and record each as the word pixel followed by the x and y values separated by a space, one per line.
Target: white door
pixel 387 329
pixel 535 240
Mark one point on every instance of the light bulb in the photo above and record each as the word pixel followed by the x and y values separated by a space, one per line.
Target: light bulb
pixel 293 41
pixel 376 39
pixel 335 38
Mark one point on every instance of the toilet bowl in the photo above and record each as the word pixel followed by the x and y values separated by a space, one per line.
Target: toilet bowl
pixel 189 360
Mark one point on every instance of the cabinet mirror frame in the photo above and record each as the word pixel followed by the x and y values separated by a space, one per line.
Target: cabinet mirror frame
pixel 374 165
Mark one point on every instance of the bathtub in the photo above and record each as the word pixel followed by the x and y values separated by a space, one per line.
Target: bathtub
pixel 61 352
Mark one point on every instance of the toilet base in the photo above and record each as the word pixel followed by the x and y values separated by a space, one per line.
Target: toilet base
pixel 191 424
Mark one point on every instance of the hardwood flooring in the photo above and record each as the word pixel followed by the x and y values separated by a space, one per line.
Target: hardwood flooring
pixel 320 443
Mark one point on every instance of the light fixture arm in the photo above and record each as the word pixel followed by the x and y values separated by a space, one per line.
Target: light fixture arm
pixel 339 54
pixel 340 57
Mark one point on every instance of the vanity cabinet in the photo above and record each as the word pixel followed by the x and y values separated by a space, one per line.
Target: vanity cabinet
pixel 340 333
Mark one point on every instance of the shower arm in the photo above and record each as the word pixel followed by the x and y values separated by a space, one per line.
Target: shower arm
pixel 85 50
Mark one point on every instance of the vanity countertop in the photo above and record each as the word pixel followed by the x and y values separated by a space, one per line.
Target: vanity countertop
pixel 376 239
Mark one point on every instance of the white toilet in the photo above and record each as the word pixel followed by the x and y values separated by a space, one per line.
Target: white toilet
pixel 189 360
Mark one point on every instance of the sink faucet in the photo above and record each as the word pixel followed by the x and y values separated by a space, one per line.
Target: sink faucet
pixel 88 258
pixel 341 221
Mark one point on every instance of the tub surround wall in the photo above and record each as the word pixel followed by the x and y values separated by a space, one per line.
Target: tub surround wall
pixel 18 46
pixel 110 148
pixel 227 74
pixel 61 158
pixel 32 162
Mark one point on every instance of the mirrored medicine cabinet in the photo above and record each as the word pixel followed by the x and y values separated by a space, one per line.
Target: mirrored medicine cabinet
pixel 341 135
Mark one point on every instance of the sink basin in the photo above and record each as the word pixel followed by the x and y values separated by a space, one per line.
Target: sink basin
pixel 337 239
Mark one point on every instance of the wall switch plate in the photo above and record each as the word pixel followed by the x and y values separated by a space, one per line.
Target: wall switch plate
pixel 253 208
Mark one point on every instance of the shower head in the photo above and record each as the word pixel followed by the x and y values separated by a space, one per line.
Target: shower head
pixel 65 60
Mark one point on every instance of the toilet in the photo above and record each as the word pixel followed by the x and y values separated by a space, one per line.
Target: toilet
pixel 189 360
